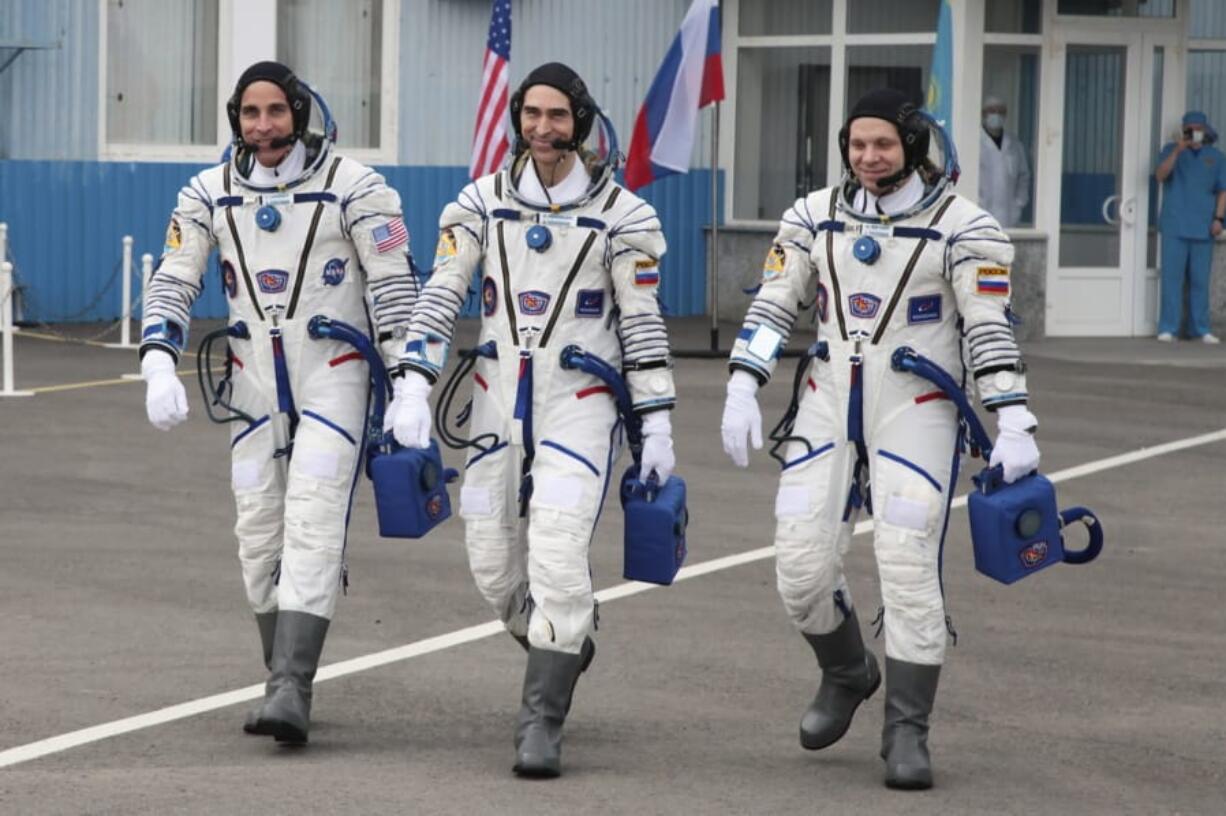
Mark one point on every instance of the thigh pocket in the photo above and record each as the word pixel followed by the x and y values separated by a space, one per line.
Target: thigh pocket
pixel 323 450
pixel 251 455
pixel 805 482
pixel 909 495
pixel 482 494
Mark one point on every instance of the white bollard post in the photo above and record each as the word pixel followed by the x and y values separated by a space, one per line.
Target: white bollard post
pixel 146 273
pixel 125 328
pixel 6 329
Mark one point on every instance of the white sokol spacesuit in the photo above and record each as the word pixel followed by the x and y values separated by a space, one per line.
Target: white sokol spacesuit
pixel 595 287
pixel 953 269
pixel 867 435
pixel 340 249
pixel 583 271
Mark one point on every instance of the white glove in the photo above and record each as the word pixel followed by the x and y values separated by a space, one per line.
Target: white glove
pixel 1015 447
pixel 657 447
pixel 165 397
pixel 741 418
pixel 409 414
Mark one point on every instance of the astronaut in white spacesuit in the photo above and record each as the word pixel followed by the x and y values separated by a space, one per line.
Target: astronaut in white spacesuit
pixel 897 260
pixel 300 231
pixel 565 256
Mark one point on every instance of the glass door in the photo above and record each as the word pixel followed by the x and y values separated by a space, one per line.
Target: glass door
pixel 1092 228
pixel 1106 91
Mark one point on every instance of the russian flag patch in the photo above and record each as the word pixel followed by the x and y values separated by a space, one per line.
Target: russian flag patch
pixel 646 272
pixel 992 280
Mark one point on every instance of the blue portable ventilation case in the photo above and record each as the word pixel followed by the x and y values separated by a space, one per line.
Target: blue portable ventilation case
pixel 656 518
pixel 410 488
pixel 1016 529
pixel 410 483
pixel 655 515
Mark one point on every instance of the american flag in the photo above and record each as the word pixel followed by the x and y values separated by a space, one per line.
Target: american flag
pixel 390 235
pixel 490 134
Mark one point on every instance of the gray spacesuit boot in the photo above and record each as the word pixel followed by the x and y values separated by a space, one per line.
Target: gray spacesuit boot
pixel 549 685
pixel 267 624
pixel 910 689
pixel 286 713
pixel 849 677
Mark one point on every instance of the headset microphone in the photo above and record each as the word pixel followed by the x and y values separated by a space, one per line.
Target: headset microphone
pixel 560 144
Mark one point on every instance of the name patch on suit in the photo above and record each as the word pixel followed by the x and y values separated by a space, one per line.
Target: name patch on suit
pixel 863 304
pixel 924 309
pixel 272 281
pixel 589 303
pixel 533 302
pixel 992 280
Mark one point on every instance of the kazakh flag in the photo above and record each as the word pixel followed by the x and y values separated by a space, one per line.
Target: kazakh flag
pixel 940 101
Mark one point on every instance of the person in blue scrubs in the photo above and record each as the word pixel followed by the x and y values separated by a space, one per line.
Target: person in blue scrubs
pixel 1193 176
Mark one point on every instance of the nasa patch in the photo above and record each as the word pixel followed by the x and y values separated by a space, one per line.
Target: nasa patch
pixel 863 304
pixel 533 302
pixel 924 309
pixel 334 271
pixel 229 280
pixel 489 296
pixel 272 281
pixel 589 303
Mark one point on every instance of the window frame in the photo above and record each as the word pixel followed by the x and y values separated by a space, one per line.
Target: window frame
pixel 235 51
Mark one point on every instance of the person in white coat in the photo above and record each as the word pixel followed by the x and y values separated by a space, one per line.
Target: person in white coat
pixel 1004 170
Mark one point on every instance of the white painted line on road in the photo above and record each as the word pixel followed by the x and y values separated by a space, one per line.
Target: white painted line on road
pixel 74 739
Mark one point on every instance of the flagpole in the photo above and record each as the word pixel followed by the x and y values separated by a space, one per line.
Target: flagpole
pixel 713 255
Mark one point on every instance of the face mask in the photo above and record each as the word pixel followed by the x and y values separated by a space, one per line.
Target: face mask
pixel 994 121
pixel 1198 136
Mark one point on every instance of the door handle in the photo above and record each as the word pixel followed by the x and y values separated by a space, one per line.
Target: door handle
pixel 1128 211
pixel 1107 210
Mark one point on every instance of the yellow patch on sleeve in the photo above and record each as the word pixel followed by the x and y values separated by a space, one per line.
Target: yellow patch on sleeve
pixel 646 263
pixel 773 267
pixel 446 247
pixel 174 235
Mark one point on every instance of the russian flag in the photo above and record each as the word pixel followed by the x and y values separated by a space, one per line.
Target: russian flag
pixel 691 77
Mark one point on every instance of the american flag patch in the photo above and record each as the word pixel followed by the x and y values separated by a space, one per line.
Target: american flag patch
pixel 992 280
pixel 646 272
pixel 390 235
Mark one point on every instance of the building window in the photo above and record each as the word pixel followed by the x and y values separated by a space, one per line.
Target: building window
pixel 783 122
pixel 759 18
pixel 1013 17
pixel 893 17
pixel 161 72
pixel 1007 148
pixel 904 67
pixel 338 49
pixel 1117 8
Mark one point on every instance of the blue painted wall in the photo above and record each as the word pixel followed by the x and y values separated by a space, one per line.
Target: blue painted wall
pixel 66 221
